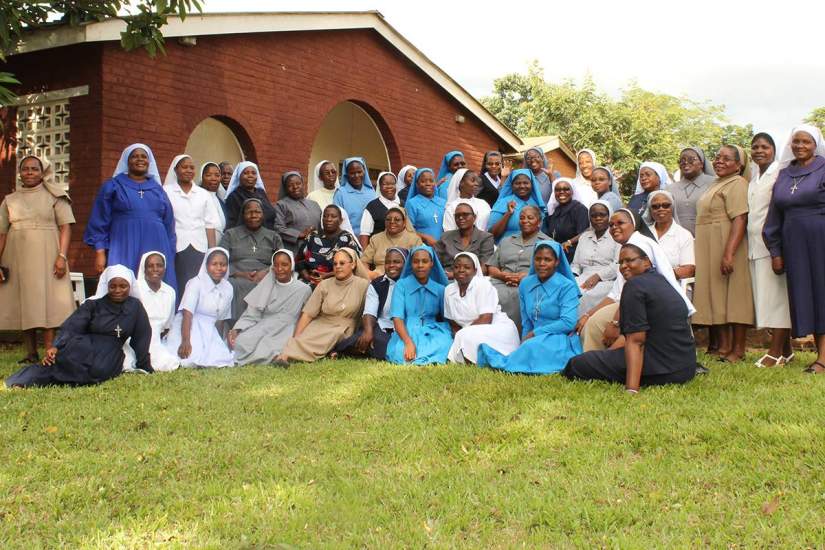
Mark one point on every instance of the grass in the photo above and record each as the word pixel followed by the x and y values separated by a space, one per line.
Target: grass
pixel 348 453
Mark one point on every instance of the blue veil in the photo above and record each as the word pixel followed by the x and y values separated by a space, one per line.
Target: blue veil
pixel 414 187
pixel 345 178
pixel 444 169
pixel 507 191
pixel 437 274
pixel 563 267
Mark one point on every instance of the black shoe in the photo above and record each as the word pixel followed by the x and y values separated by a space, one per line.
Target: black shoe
pixel 29 360
pixel 701 369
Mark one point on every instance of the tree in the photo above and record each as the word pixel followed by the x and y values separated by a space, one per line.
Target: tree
pixel 641 125
pixel 143 29
pixel 817 118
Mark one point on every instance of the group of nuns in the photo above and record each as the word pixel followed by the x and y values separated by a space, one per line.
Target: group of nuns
pixel 165 299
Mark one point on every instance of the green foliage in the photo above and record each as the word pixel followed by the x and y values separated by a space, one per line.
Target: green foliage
pixel 817 118
pixel 363 454
pixel 639 126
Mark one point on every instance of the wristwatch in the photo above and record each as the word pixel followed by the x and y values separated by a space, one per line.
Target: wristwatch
pixel 614 323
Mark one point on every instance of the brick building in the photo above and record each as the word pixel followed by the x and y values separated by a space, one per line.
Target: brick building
pixel 281 89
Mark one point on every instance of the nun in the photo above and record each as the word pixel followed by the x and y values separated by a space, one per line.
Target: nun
pixel 207 302
pixel 567 216
pixel 463 187
pixel 405 179
pixel 677 242
pixel 421 336
pixel 89 346
pixel 372 220
pixel 652 177
pixel 475 316
pixel 272 310
pixel 425 208
pixel 132 214
pixel 210 180
pixel 356 190
pixel 549 298
pixel 519 190
pixel 450 164
pixel 296 217
pixel 594 263
pixel 325 182
pixel 535 161
pixel 246 183
pixel 696 177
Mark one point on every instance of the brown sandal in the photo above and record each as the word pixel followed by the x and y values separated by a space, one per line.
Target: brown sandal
pixel 812 368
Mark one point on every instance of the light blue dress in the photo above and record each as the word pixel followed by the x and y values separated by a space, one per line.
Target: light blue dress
pixel 421 307
pixel 549 310
pixel 426 214
pixel 506 195
pixel 444 171
pixel 353 200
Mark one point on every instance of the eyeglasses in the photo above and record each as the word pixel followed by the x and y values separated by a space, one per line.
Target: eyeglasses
pixel 660 206
pixel 623 261
pixel 688 160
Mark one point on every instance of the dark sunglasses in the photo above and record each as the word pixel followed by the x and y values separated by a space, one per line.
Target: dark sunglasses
pixel 660 206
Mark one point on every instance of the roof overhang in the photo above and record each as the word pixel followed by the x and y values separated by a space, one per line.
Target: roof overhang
pixel 214 24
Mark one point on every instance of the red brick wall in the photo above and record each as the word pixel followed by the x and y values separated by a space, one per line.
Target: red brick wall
pixel 278 87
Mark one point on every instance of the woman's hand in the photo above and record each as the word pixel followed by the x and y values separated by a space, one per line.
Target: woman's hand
pixel 185 349
pixel 591 281
pixel 100 261
pixel 306 233
pixel 506 168
pixel 778 265
pixel 60 267
pixel 550 170
pixel 611 333
pixel 258 276
pixel 231 337
pixel 429 240
pixel 511 207
pixel 726 267
pixel 409 351
pixel 50 357
pixel 566 245
pixel 581 322
pixel 364 342
pixel 529 335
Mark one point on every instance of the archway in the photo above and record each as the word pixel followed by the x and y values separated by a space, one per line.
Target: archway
pixel 349 130
pixel 214 140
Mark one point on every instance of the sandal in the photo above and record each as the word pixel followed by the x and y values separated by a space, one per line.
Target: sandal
pixel 788 359
pixel 777 361
pixel 812 368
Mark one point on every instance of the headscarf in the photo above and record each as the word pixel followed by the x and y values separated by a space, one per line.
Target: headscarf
pixel 345 223
pixel 402 174
pixel 787 157
pixel 285 176
pixel 745 159
pixel 171 176
pixel 506 191
pixel 345 178
pixel 479 274
pixel 553 204
pixel 260 296
pixel 437 273
pixel 205 282
pixel 123 164
pixel 144 288
pixel 114 272
pixel 614 187
pixel 538 150
pixel 204 166
pixel 564 266
pixel 405 253
pixel 600 202
pixel 235 182
pixel 661 171
pixel 48 177
pixel 579 175
pixel 707 165
pixel 414 187
pixel 452 188
pixel 647 216
pixel 661 264
pixel 317 182
pixel 444 169
pixel 378 184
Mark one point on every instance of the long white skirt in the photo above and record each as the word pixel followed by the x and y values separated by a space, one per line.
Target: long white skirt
pixel 770 295
pixel 162 359
pixel 501 335
pixel 208 347
pixel 593 296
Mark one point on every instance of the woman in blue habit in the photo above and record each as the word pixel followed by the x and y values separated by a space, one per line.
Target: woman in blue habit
pixel 549 298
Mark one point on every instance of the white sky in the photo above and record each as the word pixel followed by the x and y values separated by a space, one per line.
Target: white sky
pixel 763 60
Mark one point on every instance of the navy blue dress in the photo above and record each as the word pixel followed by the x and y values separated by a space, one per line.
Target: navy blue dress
pixel 90 345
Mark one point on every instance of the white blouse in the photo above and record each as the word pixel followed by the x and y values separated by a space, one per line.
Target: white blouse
pixel 677 242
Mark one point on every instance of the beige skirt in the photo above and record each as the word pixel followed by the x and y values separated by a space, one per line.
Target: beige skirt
pixel 770 295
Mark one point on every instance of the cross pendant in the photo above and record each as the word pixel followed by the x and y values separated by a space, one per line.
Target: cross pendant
pixel 254 248
pixel 435 217
pixel 140 192
pixel 794 188
pixel 118 330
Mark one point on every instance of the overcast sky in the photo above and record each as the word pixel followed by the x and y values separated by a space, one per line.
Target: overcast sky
pixel 765 61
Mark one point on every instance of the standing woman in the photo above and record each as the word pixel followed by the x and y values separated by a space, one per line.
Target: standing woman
pixel 405 179
pixel 35 231
pixel 585 164
pixel 493 173
pixel 356 190
pixel 210 180
pixel 325 179
pixel 247 184
pixel 296 217
pixel 421 336
pixel 770 290
pixel 519 190
pixel 372 221
pixel 697 175
pixel 722 294
pixel 450 164
pixel 536 162
pixel 567 216
pixel 652 177
pixel 463 188
pixel 195 219
pixel 425 209
pixel 132 215
pixel 226 176
pixel 794 232
pixel 606 188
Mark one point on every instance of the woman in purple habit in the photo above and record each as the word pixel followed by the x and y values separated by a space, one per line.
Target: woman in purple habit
pixel 132 215
pixel 794 230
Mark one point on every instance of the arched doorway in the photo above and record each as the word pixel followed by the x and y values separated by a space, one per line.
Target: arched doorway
pixel 212 140
pixel 347 131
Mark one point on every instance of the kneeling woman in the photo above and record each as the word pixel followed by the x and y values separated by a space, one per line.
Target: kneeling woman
pixel 331 314
pixel 471 305
pixel 89 347
pixel 273 308
pixel 549 299
pixel 206 304
pixel 659 346
pixel 421 335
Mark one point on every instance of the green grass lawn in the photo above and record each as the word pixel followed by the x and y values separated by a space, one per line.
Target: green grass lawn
pixel 348 453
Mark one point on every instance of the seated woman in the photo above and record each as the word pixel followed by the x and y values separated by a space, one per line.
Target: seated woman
pixel 376 324
pixel 594 264
pixel 316 253
pixel 675 240
pixel 89 346
pixel 520 189
pixel 467 237
pixel 566 216
pixel 425 208
pixel 471 306
pixel 395 235
pixel 652 177
pixel 273 308
pixel 207 302
pixel 158 299
pixel 331 314
pixel 511 261
pixel 463 187
pixel 549 300
pixel 659 347
pixel 421 336
pixel 250 246
pixel 246 183
pixel 296 217
pixel 372 220
pixel 606 188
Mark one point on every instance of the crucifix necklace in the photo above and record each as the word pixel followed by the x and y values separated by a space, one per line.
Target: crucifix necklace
pixel 118 330
pixel 435 217
pixel 796 182
pixel 140 192
pixel 254 248
pixel 538 296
